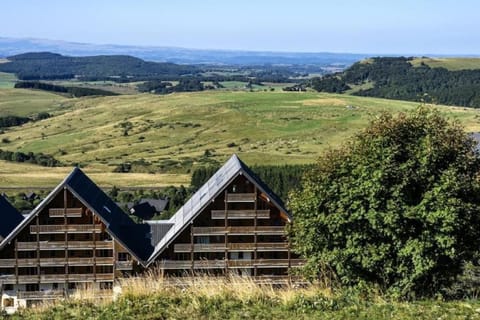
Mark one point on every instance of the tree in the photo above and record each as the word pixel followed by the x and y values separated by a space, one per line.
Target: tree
pixel 398 206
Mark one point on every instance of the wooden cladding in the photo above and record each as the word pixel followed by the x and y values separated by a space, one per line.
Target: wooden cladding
pixel 264 230
pixel 71 228
pixel 68 212
pixel 241 214
pixel 233 247
pixel 241 197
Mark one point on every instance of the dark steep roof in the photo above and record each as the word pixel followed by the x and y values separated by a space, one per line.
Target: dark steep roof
pixel 9 218
pixel 118 223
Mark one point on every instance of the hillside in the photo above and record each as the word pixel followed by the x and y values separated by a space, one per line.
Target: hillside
pixel 46 65
pixel 408 79
pixel 173 133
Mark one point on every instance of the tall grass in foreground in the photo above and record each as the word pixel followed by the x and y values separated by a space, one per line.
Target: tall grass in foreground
pixel 236 297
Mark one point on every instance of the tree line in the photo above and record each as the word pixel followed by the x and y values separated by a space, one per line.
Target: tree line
pixel 41 159
pixel 280 179
pixel 70 91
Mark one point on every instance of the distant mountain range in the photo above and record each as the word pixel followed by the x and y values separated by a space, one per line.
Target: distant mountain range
pixel 13 46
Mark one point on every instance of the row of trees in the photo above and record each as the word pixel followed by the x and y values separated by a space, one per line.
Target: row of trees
pixel 70 91
pixel 41 159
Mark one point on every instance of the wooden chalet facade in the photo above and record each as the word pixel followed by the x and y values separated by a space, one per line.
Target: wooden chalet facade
pixel 78 237
pixel 233 224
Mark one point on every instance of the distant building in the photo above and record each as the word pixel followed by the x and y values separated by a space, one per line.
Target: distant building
pixel 147 208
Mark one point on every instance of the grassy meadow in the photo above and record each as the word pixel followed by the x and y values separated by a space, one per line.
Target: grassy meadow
pixel 23 102
pixel 155 297
pixel 173 133
pixel 7 80
pixel 451 64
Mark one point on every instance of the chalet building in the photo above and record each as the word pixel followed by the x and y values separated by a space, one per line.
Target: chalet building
pixel 77 237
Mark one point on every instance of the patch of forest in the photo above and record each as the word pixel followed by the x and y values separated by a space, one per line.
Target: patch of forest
pixel 52 66
pixel 397 78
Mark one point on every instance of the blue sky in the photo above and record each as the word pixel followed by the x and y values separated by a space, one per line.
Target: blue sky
pixel 367 26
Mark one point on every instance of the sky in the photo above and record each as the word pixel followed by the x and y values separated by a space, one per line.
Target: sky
pixel 354 26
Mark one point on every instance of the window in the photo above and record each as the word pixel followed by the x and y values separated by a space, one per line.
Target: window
pixel 124 256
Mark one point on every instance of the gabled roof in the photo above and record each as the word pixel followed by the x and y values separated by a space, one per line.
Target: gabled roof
pixel 118 224
pixel 209 191
pixel 9 217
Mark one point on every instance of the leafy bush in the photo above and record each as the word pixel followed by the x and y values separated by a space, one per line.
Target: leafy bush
pixel 398 206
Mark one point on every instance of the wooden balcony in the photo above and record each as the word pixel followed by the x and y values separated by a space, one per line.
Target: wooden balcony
pixel 60 245
pixel 70 228
pixel 260 246
pixel 263 230
pixel 69 212
pixel 233 264
pixel 265 263
pixel 124 265
pixel 240 214
pixel 220 247
pixel 8 278
pixel 40 295
pixel 7 263
pixel 241 197
pixel 57 278
pixel 187 264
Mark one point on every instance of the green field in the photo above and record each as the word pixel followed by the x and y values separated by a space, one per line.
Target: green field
pixel 173 132
pixel 7 80
pixel 24 102
pixel 451 64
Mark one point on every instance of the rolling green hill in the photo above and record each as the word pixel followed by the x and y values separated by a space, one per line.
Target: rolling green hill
pixel 171 134
pixel 406 79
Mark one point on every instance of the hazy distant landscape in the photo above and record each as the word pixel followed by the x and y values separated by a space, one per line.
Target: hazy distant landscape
pixel 248 160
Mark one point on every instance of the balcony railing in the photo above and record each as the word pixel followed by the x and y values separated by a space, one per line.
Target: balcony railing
pixel 56 278
pixel 241 197
pixel 265 230
pixel 265 263
pixel 60 245
pixel 241 214
pixel 71 228
pixel 124 265
pixel 70 212
pixel 7 263
pixel 52 262
pixel 220 247
pixel 234 264
pixel 197 264
pixel 41 295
